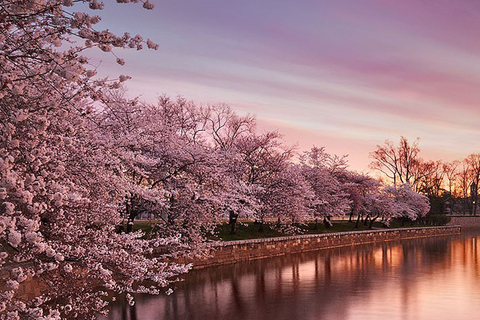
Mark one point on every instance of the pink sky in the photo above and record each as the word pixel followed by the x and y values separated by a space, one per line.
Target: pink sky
pixel 341 74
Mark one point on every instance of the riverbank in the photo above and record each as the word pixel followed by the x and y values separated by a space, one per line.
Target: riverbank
pixel 227 252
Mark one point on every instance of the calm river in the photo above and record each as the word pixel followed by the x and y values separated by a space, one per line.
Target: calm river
pixel 434 278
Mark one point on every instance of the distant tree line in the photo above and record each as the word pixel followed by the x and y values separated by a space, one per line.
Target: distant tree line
pixel 452 187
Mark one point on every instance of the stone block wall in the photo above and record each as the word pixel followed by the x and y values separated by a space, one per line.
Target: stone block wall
pixel 466 222
pixel 234 251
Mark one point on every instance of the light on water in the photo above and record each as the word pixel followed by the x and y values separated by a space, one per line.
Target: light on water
pixel 432 278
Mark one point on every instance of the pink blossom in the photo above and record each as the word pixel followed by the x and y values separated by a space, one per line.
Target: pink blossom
pixel 68 268
pixel 14 237
pixel 59 257
pixel 123 78
pixel 50 252
pixel 12 284
pixel 31 237
pixel 152 45
pixel 9 207
pixel 148 5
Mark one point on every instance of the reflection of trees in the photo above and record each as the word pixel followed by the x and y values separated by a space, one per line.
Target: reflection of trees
pixel 316 285
pixel 467 252
pixel 237 296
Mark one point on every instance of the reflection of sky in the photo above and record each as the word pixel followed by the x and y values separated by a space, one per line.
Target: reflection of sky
pixel 342 74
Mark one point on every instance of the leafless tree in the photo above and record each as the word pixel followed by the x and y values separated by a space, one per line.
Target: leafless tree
pixel 473 165
pixel 400 164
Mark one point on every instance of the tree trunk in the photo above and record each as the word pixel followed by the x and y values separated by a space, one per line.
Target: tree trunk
pixel 372 221
pixel 358 221
pixel 326 222
pixel 367 217
pixel 130 214
pixel 130 224
pixel 233 221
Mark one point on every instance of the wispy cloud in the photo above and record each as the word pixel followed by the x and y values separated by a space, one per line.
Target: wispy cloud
pixel 349 73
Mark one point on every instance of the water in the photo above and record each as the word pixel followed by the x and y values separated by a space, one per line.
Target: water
pixel 433 278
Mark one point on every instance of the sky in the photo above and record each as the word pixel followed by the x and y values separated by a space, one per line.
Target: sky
pixel 343 74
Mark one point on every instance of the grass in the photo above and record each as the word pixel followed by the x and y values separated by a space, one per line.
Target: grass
pixel 144 225
pixel 245 230
pixel 249 230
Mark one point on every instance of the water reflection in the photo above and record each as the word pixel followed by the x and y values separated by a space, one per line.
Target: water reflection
pixel 434 278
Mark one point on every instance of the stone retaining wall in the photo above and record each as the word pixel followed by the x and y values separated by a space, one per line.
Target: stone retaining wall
pixel 234 251
pixel 466 222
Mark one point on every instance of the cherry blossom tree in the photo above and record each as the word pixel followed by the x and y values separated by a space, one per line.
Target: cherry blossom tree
pixel 408 203
pixel 60 176
pixel 225 132
pixel 379 205
pixel 321 170
pixel 226 128
pixel 265 169
pixel 359 188
pixel 285 198
pixel 173 171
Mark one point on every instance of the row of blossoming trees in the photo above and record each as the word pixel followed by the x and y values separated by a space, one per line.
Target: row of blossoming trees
pixel 191 164
pixel 76 157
